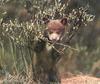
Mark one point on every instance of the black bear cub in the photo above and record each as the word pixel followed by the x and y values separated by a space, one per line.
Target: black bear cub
pixel 44 67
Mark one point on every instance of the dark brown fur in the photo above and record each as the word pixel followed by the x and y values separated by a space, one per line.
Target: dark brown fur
pixel 44 66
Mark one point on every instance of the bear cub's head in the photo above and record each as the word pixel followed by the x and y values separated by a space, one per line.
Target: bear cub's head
pixel 55 29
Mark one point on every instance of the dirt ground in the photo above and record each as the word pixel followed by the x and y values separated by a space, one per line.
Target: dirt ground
pixel 81 79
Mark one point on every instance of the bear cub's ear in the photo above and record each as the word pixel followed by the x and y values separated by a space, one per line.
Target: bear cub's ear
pixel 46 20
pixel 64 21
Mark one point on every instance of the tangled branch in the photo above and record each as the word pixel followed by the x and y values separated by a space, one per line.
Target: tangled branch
pixel 22 33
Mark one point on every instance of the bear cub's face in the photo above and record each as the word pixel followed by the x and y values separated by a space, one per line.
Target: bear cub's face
pixel 55 29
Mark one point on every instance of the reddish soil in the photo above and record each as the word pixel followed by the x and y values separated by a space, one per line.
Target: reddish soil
pixel 81 79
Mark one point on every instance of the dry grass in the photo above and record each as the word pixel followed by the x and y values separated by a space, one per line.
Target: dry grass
pixel 78 79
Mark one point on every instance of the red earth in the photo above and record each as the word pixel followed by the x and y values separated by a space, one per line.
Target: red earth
pixel 80 79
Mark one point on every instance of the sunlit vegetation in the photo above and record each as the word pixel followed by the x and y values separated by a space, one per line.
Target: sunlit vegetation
pixel 21 25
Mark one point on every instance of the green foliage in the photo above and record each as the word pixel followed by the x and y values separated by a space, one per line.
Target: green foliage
pixel 17 38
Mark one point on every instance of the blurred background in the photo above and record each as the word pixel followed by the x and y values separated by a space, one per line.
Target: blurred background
pixel 15 57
